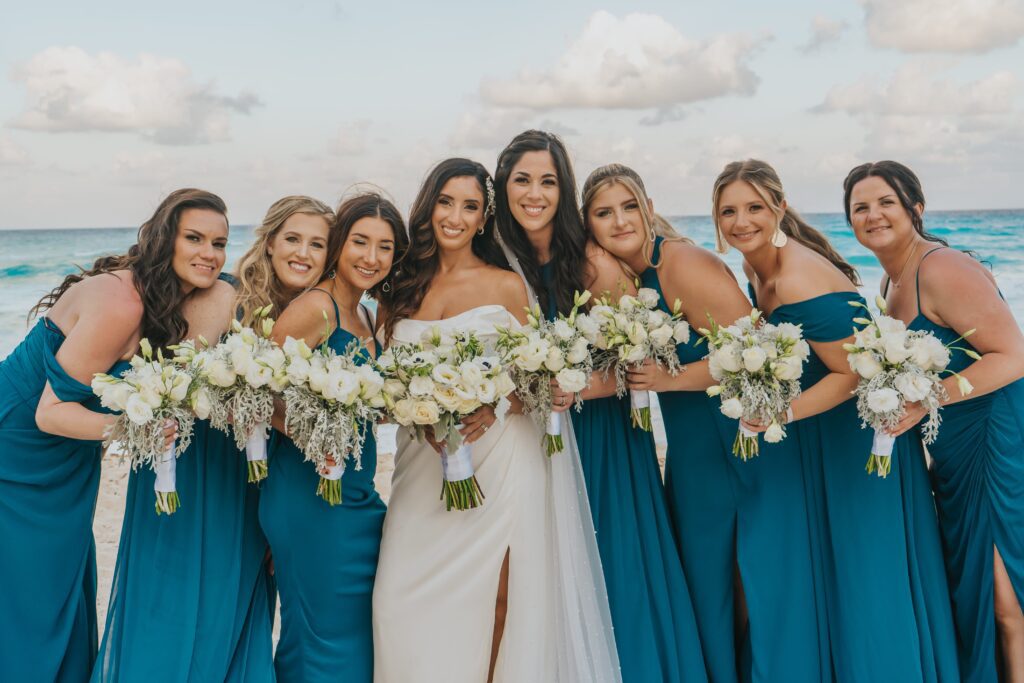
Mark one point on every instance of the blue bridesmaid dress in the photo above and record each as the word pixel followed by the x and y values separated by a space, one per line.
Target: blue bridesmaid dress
pixel 48 490
pixel 751 515
pixel 875 542
pixel 191 598
pixel 652 613
pixel 978 475
pixel 325 559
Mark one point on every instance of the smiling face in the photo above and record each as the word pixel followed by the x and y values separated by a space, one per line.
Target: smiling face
pixel 298 251
pixel 458 213
pixel 533 192
pixel 744 218
pixel 367 254
pixel 879 220
pixel 616 221
pixel 199 248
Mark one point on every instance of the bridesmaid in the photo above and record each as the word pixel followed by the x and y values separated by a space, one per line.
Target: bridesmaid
pixel 50 429
pixel 880 582
pixel 747 520
pixel 210 615
pixel 978 458
pixel 325 557
pixel 655 628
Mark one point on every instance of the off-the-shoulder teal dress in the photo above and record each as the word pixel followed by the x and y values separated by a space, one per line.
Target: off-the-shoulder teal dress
pixel 48 490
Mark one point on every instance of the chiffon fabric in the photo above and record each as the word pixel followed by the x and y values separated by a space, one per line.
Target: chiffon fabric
pixel 881 587
pixel 978 476
pixel 731 514
pixel 325 558
pixel 48 490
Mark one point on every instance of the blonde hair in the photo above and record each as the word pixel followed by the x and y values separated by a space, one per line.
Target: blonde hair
pixel 766 183
pixel 654 224
pixel 258 285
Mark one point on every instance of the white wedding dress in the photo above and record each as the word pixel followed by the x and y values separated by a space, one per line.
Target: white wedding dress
pixel 438 573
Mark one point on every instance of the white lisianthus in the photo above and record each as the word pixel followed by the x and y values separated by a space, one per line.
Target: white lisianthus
pixel 421 386
pixel 444 374
pixel 138 410
pixel 572 381
pixel 913 387
pixel 628 302
pixel 116 396
pixel 713 390
pixel 634 354
pixel 681 332
pixel 887 325
pixel 802 349
pixel 179 388
pixel 587 326
pixel 728 358
pixel 258 375
pixel 636 333
pixel 220 373
pixel 201 403
pixel 656 319
pixel 774 433
pixel 274 358
pixel 563 330
pixel 343 386
pixel 241 359
pixel 789 331
pixel 661 335
pixel 648 297
pixel 555 361
pixel 732 408
pixel 929 353
pixel 865 364
pixel 787 368
pixel 425 412
pixel 394 388
pixel 487 392
pixel 503 384
pixel 298 370
pixel 964 385
pixel 150 397
pixel 883 400
pixel 579 351
pixel 895 347
pixel 754 358
pixel 317 378
pixel 471 373
pixel 297 347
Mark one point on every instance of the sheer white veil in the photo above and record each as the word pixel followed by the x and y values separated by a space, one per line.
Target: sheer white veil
pixel 585 642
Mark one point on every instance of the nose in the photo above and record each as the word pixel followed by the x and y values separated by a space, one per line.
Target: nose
pixel 741 219
pixel 455 217
pixel 207 251
pixel 534 191
pixel 370 256
pixel 303 251
pixel 874 212
pixel 620 218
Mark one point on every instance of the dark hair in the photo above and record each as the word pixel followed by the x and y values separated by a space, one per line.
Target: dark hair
pixel 765 181
pixel 569 237
pixel 366 204
pixel 903 182
pixel 150 261
pixel 410 286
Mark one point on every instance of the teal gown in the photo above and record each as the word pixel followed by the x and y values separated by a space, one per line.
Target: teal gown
pixel 325 559
pixel 875 542
pixel 752 515
pixel 652 613
pixel 48 490
pixel 978 475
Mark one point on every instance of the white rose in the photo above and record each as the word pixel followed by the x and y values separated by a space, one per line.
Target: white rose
pixel 563 330
pixel 681 332
pixel 754 358
pixel 394 388
pixel 220 373
pixel 865 364
pixel 425 412
pixel 895 347
pixel 913 387
pixel 648 297
pixel 883 400
pixel 445 374
pixel 732 408
pixel 421 386
pixel 572 381
pixel 402 412
pixel 138 410
pixel 447 397
pixel 201 403
pixel 554 362
pixel 774 433
pixel 788 368
pixel 662 335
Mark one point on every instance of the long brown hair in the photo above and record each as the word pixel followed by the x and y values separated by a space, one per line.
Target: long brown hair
pixel 150 261
pixel 258 285
pixel 765 181
pixel 367 204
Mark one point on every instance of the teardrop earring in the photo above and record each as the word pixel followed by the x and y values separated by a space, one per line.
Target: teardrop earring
pixel 386 287
pixel 779 238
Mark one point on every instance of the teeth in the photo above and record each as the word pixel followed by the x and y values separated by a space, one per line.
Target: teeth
pixel 451 232
pixel 300 267
pixel 367 273
pixel 533 210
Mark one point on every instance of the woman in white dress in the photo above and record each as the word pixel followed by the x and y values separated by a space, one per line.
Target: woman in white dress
pixel 441 574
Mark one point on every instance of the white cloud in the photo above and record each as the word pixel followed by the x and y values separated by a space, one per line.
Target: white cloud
pixel 70 90
pixel 973 26
pixel 12 154
pixel 636 62
pixel 823 32
pixel 489 127
pixel 350 140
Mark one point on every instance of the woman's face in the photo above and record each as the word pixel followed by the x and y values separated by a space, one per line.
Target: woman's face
pixel 199 248
pixel 615 220
pixel 533 191
pixel 458 213
pixel 298 251
pixel 877 217
pixel 746 221
pixel 367 254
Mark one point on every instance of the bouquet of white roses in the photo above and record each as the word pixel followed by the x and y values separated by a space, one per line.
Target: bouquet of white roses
pixel 632 330
pixel 758 369
pixel 437 382
pixel 330 402
pixel 237 381
pixel 898 366
pixel 549 350
pixel 149 395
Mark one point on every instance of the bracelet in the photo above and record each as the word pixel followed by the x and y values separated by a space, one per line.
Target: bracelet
pixel 789 414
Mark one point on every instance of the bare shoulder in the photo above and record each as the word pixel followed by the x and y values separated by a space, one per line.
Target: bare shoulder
pixel 113 295
pixel 219 296
pixel 605 273
pixel 313 303
pixel 950 274
pixel 684 262
pixel 806 274
pixel 509 286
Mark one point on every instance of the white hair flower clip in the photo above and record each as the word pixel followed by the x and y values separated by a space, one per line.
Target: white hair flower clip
pixel 489 186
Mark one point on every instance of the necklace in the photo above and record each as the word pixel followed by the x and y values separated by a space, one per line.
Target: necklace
pixel 899 278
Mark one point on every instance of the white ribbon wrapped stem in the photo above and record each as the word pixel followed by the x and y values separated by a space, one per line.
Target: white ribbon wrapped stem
pixel 639 399
pixel 166 465
pixel 457 465
pixel 256 445
pixel 554 424
pixel 883 443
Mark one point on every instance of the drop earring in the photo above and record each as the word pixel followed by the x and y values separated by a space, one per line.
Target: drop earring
pixel 386 287
pixel 480 231
pixel 779 238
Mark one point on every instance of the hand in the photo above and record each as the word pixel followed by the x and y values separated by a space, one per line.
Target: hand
pixel 170 433
pixel 649 376
pixel 755 427
pixel 561 401
pixel 914 414
pixel 328 463
pixel 476 424
pixel 428 434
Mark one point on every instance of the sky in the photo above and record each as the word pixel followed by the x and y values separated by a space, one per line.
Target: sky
pixel 106 107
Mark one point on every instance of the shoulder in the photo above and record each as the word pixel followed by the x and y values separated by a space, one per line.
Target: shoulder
pixel 509 286
pixel 220 294
pixel 311 303
pixel 599 258
pixel 951 275
pixel 605 273
pixel 682 261
pixel 806 274
pixel 113 295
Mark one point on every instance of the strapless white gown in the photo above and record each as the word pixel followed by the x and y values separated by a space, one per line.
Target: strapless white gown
pixel 437 578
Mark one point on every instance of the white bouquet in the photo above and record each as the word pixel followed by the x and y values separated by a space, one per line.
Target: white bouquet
pixel 437 382
pixel 758 369
pixel 632 330
pixel 149 395
pixel 549 350
pixel 330 401
pixel 897 366
pixel 237 381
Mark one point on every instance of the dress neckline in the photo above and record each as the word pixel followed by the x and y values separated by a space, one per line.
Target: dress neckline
pixel 460 315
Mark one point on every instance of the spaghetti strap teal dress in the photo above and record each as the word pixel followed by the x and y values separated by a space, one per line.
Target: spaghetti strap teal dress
pixel 652 613
pixel 191 598
pixel 325 559
pixel 978 476
pixel 728 514
pixel 48 490
pixel 875 542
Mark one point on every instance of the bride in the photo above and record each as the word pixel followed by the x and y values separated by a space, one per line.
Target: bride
pixel 512 590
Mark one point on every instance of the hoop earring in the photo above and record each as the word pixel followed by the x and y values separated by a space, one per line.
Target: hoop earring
pixel 386 287
pixel 779 238
pixel 332 273
pixel 480 231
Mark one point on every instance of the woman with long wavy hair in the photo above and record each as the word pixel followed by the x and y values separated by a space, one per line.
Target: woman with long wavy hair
pixel 861 526
pixel 538 216
pixel 51 427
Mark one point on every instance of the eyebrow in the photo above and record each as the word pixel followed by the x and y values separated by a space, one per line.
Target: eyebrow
pixel 366 237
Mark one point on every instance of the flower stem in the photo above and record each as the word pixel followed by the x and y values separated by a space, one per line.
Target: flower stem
pixel 642 418
pixel 167 503
pixel 462 495
pixel 330 491
pixel 553 444
pixel 879 464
